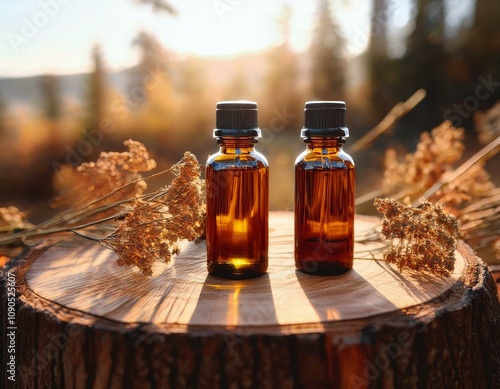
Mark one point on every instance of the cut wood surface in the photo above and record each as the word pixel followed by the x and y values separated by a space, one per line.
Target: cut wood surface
pixel 84 321
pixel 82 275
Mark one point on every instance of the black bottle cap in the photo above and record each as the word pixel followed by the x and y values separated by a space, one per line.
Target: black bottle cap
pixel 325 118
pixel 236 118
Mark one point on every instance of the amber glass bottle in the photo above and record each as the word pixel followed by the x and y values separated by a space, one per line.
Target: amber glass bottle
pixel 324 192
pixel 237 195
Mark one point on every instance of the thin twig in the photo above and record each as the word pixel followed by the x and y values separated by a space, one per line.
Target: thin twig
pixel 72 214
pixel 482 155
pixel 92 238
pixel 368 197
pixel 398 111
pixel 485 203
pixel 69 217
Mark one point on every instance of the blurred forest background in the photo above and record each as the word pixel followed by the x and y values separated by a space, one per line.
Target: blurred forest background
pixel 167 100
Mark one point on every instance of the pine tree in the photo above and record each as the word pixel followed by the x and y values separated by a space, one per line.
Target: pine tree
pixel 378 29
pixel 378 62
pixel 482 42
pixel 97 92
pixel 153 54
pixel 282 88
pixel 429 30
pixel 152 64
pixel 328 57
pixel 51 108
pixel 423 65
pixel 51 100
pixel 3 113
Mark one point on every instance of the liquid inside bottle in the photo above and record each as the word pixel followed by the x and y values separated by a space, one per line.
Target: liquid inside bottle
pixel 237 197
pixel 237 222
pixel 324 193
pixel 324 226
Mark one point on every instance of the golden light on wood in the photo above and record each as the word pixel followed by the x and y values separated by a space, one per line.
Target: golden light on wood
pixel 83 275
pixel 370 327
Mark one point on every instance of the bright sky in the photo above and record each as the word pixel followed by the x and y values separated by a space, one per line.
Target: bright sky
pixel 57 36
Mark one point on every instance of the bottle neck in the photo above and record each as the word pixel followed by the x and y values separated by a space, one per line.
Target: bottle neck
pixel 237 145
pixel 322 144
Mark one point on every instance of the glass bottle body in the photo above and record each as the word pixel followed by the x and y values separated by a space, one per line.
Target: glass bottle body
pixel 237 210
pixel 324 208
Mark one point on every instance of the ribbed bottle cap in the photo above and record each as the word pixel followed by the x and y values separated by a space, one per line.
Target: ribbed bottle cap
pixel 325 118
pixel 236 118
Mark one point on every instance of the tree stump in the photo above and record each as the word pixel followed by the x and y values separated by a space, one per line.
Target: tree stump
pixel 80 321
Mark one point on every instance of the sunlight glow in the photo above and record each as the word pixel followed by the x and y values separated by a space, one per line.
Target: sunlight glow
pixel 49 36
pixel 59 38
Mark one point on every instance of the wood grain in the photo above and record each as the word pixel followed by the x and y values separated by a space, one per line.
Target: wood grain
pixel 84 322
pixel 82 275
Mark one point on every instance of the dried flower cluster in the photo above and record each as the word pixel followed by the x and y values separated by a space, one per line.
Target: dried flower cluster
pixel 422 239
pixel 435 157
pixel 114 177
pixel 476 184
pixel 487 124
pixel 152 229
pixel 435 154
pixel 433 172
pixel 150 225
pixel 11 219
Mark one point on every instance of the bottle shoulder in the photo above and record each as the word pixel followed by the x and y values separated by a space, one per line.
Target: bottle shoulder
pixel 310 159
pixel 252 160
pixel 259 156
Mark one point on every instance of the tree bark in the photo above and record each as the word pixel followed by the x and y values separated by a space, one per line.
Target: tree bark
pixel 83 321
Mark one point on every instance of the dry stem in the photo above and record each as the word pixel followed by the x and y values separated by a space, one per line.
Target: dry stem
pixel 398 111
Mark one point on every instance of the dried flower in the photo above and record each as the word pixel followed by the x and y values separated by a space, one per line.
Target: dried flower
pixel 152 229
pixel 488 124
pixel 435 154
pixel 422 239
pixel 11 218
pixel 474 185
pixel 150 224
pixel 97 183
pixel 432 161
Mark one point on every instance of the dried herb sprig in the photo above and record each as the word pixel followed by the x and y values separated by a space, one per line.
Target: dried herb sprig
pixel 435 155
pixel 487 124
pixel 430 173
pixel 398 111
pixel 12 219
pixel 421 239
pixel 177 211
pixel 153 227
pixel 111 188
pixel 114 177
pixel 98 192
